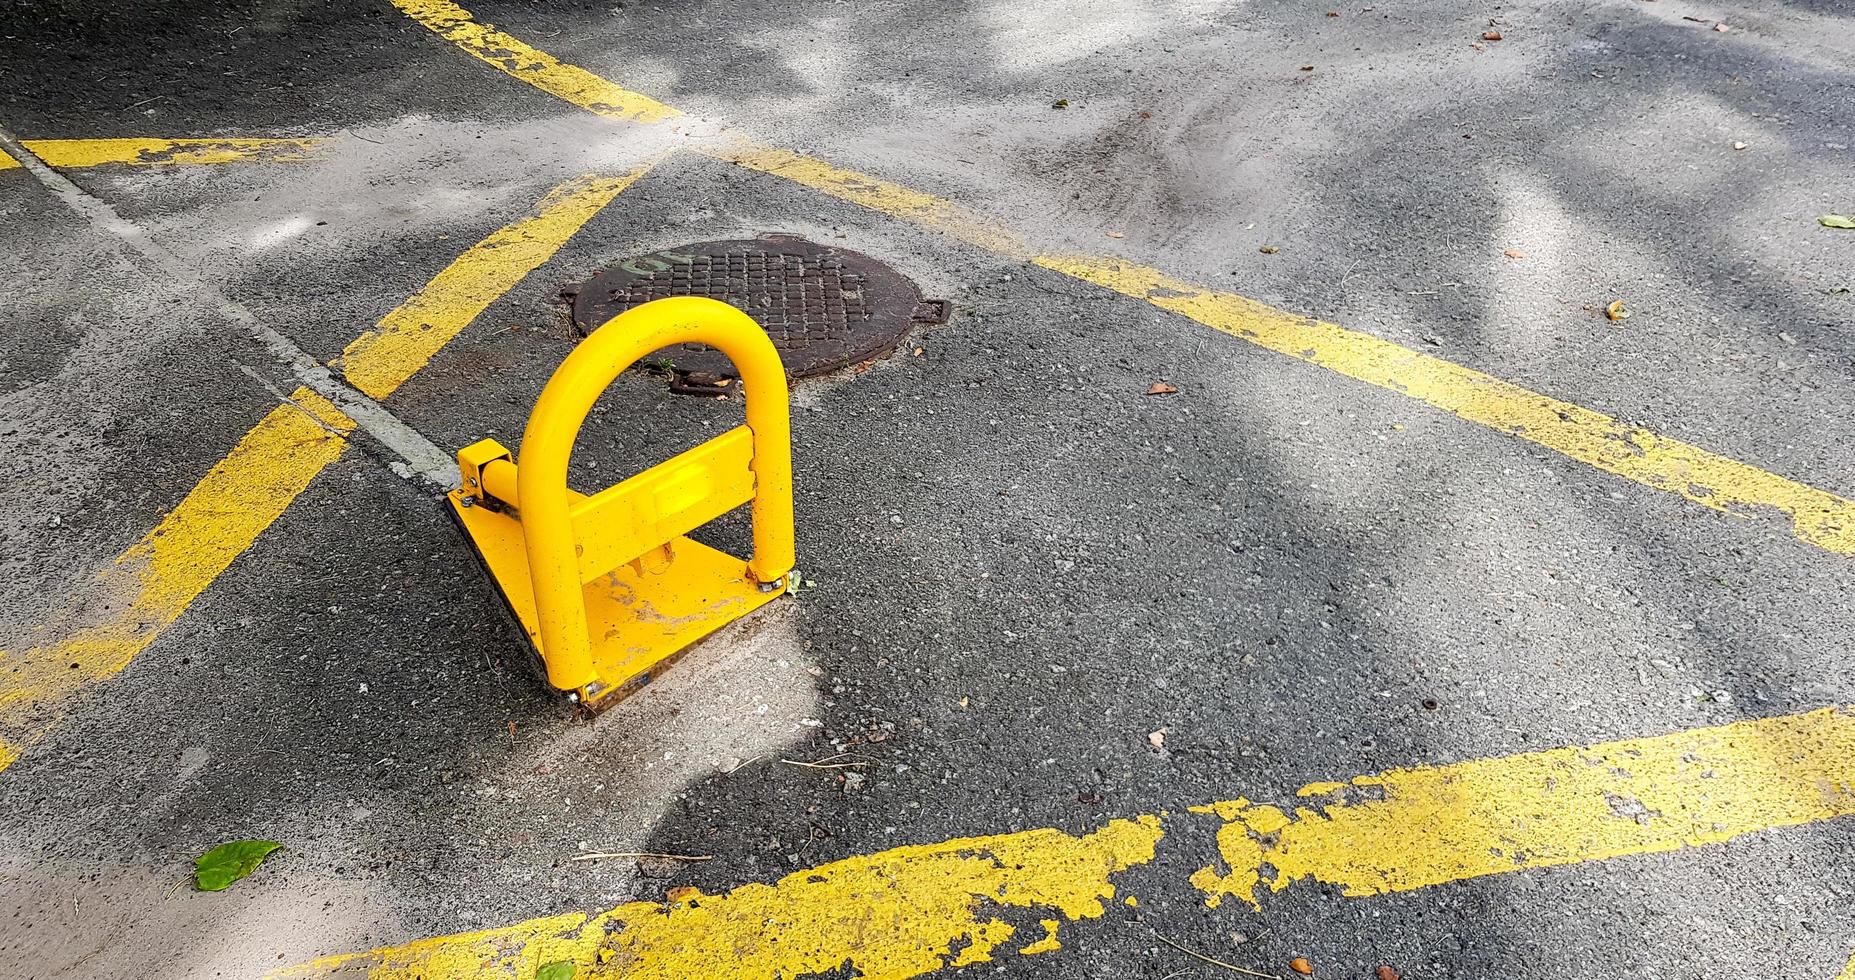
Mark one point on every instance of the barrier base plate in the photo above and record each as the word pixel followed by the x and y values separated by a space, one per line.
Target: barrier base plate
pixel 637 619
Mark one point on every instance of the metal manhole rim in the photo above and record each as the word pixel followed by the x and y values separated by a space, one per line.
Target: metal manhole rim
pixel 825 307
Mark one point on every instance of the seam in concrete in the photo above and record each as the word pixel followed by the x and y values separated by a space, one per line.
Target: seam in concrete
pixel 430 463
pixel 284 399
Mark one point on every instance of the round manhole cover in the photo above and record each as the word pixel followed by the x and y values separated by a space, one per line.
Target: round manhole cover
pixel 824 307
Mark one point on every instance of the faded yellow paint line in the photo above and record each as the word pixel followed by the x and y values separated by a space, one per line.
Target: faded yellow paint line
pixel 1412 828
pixel 1818 517
pixel 1632 452
pixel 916 910
pixel 878 195
pixel 148 586
pixel 77 154
pixel 1848 972
pixel 153 582
pixel 381 359
pixel 899 913
pixel 535 67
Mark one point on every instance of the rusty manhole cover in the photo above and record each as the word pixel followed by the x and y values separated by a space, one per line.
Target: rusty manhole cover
pixel 824 307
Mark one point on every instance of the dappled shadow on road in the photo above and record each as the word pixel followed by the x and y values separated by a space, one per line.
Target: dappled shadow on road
pixel 1026 566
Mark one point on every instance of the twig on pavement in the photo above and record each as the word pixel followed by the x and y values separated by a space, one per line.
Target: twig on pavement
pixel 1207 959
pixel 600 855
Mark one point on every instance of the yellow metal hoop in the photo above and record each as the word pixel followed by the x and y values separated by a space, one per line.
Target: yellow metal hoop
pixel 622 552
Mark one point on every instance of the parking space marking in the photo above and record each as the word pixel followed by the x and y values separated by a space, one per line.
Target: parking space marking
pixel 151 584
pixel 903 912
pixel 1632 452
pixel 1818 517
pixel 1609 444
pixel 82 153
pixel 876 194
pixel 380 360
pixel 898 913
pixel 1413 828
pixel 537 68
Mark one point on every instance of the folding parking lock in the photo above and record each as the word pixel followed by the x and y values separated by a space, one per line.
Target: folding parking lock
pixel 609 585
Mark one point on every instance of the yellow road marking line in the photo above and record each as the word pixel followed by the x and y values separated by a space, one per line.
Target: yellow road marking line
pixel 6 160
pixel 1632 452
pixel 380 360
pixel 537 68
pixel 1629 451
pixel 153 582
pixel 1817 517
pixel 76 154
pixel 900 913
pixel 1412 828
pixel 1848 972
pixel 10 752
pixel 878 195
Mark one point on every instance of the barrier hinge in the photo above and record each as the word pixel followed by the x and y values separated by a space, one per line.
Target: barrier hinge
pixel 470 463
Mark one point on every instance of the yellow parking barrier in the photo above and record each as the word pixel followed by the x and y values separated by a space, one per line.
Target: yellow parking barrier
pixel 609 585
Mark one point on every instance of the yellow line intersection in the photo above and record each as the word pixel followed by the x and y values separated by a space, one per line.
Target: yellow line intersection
pixel 1818 517
pixel 151 584
pixel 914 910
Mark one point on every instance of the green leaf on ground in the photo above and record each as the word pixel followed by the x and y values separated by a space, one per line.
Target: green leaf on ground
pixel 1836 221
pixel 227 863
pixel 557 970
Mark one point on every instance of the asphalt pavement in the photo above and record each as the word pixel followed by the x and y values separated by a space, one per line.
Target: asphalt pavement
pixel 1045 599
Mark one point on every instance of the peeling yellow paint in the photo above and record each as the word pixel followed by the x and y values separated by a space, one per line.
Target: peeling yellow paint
pixel 1048 944
pixel 1411 828
pixel 77 154
pixel 537 68
pixel 914 910
pixel 899 913
pixel 381 360
pixel 148 586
